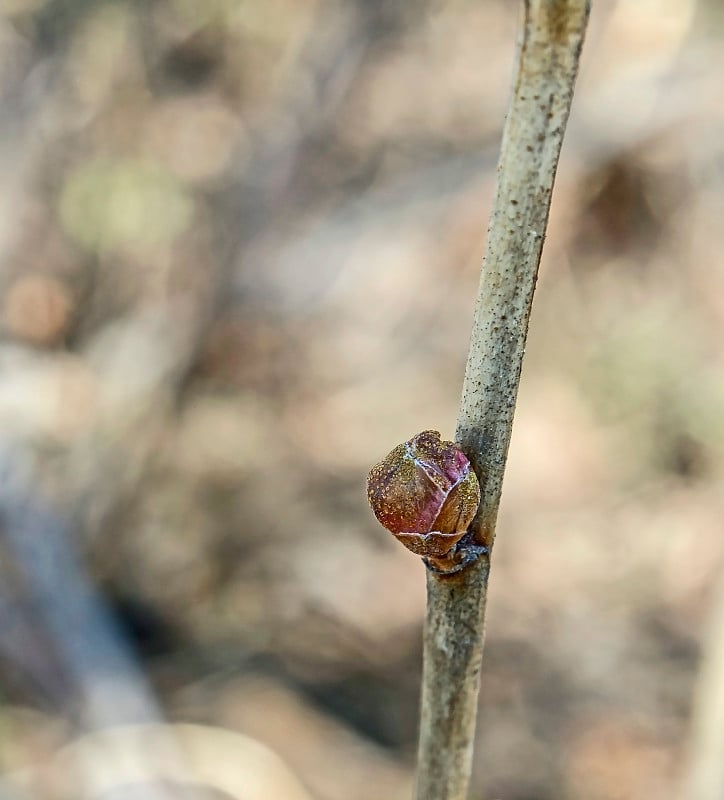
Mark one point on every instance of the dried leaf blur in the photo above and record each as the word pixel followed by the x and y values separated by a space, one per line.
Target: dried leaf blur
pixel 240 245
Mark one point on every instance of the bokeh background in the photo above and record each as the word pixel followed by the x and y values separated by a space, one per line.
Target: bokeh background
pixel 239 247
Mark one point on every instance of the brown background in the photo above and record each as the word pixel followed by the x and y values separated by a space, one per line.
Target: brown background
pixel 240 246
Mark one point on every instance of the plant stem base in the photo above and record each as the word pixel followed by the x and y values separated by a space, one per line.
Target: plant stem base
pixel 454 634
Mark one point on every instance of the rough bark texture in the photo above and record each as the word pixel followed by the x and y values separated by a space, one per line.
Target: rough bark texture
pixel 542 92
pixel 453 652
pixel 550 45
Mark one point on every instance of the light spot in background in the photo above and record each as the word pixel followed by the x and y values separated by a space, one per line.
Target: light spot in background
pixel 195 138
pixel 37 308
pixel 106 205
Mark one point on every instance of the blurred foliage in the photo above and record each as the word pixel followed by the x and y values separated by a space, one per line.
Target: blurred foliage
pixel 106 205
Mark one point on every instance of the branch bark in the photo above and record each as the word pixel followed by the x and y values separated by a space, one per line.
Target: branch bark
pixel 549 49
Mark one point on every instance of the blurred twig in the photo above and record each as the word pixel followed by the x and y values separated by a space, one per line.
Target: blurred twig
pixel 108 685
pixel 224 763
pixel 57 605
pixel 706 761
pixel 547 65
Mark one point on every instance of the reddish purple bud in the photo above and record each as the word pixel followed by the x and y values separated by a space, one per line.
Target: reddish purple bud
pixel 425 493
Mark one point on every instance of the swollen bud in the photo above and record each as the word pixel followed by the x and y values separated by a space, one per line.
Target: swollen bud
pixel 425 493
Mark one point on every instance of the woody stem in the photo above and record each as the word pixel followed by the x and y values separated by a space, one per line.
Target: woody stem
pixel 547 63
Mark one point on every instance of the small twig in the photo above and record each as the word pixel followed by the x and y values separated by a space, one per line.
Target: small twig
pixel 705 773
pixel 552 36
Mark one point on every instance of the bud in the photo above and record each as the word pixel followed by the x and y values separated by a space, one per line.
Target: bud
pixel 425 493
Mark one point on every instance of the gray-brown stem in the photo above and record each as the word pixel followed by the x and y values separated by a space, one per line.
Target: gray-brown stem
pixel 550 45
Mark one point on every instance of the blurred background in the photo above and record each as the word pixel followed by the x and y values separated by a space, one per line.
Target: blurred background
pixel 240 244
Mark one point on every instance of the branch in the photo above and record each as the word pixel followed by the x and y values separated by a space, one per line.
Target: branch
pixel 705 778
pixel 552 36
